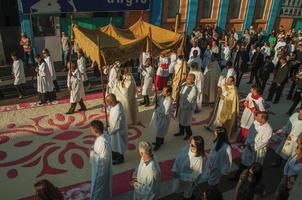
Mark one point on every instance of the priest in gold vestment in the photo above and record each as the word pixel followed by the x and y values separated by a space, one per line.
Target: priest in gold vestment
pixel 226 108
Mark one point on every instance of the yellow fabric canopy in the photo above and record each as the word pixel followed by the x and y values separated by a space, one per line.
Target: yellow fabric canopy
pixel 117 44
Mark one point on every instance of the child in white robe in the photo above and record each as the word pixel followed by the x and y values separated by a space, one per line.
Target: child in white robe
pixel 199 82
pixel 161 117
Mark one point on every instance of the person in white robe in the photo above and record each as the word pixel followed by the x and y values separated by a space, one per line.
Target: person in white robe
pixel 226 73
pixel 118 129
pixel 143 58
pixel 257 141
pixel 278 48
pixel 75 87
pixel 193 48
pixel 220 158
pixel 211 77
pixel 51 67
pixel 161 117
pixel 125 92
pixel 195 58
pixel 147 73
pixel 146 177
pixel 101 164
pixel 162 72
pixel 188 167
pixel 81 63
pixel 199 82
pixel 253 104
pixel 290 134
pixel 226 55
pixel 186 106
pixel 19 75
pixel 44 81
pixel 173 59
pixel 112 72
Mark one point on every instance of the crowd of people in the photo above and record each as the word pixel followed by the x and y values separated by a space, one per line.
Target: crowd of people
pixel 211 76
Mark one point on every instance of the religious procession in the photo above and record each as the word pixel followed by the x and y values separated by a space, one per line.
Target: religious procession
pixel 145 112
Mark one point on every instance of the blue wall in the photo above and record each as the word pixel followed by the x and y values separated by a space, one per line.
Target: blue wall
pixel 222 14
pixel 249 14
pixel 192 14
pixel 274 12
pixel 157 7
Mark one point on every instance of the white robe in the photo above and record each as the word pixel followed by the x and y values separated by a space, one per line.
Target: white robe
pixel 225 55
pixel 18 72
pixel 173 59
pixel 118 129
pixel 293 128
pixel 112 78
pixel 81 62
pixel 163 67
pixel 161 117
pixel 248 117
pixel 101 172
pixel 197 60
pixel 225 74
pixel 51 68
pixel 292 168
pixel 219 163
pixel 199 82
pixel 187 104
pixel 188 170
pixel 125 92
pixel 77 88
pixel 147 73
pixel 44 81
pixel 148 178
pixel 144 56
pixel 256 144
pixel 193 49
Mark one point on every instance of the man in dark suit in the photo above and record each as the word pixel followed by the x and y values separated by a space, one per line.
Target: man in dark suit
pixel 298 91
pixel 279 81
pixel 256 63
pixel 241 63
pixel 265 71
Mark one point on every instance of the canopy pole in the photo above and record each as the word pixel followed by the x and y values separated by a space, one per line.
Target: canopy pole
pixel 181 68
pixel 153 66
pixel 102 82
pixel 70 47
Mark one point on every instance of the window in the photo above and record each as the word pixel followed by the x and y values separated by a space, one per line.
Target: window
pixel 206 8
pixel 173 8
pixel 43 26
pixel 260 7
pixel 234 9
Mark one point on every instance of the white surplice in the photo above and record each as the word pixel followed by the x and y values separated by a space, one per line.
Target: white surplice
pixel 112 78
pixel 51 67
pixel 188 170
pixel 256 143
pixel 147 175
pixel 118 129
pixel 147 74
pixel 81 62
pixel 219 163
pixel 44 80
pixel 101 168
pixel 161 117
pixel 199 82
pixel 293 128
pixel 77 88
pixel 187 104
pixel 18 72
pixel 248 117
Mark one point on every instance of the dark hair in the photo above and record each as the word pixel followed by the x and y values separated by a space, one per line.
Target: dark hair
pixel 45 190
pixel 169 89
pixel 221 138
pixel 37 56
pixel 46 50
pixel 257 173
pixel 232 77
pixel 264 115
pixel 98 125
pixel 300 107
pixel 213 193
pixel 199 141
pixel 267 57
pixel 258 90
pixel 13 54
pixel 229 63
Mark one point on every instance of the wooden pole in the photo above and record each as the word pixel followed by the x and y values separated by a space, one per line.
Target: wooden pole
pixel 153 66
pixel 102 81
pixel 177 20
pixel 70 47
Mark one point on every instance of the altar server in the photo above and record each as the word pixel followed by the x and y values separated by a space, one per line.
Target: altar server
pixel 220 158
pixel 101 164
pixel 162 72
pixel 44 80
pixel 146 177
pixel 180 73
pixel 51 68
pixel 186 106
pixel 19 75
pixel 112 72
pixel 199 82
pixel 75 87
pixel 81 62
pixel 253 104
pixel 147 74
pixel 118 129
pixel 161 116
pixel 188 167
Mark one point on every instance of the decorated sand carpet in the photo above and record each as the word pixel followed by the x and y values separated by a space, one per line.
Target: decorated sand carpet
pixel 40 142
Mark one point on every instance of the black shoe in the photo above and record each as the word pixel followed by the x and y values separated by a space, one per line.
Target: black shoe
pixel 178 134
pixel 82 109
pixel 69 113
pixel 187 137
pixel 275 102
pixel 268 99
pixel 275 164
pixel 115 162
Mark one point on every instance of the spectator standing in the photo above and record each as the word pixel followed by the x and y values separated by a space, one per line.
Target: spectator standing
pixel 51 68
pixel 65 48
pixel 27 49
pixel 19 75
